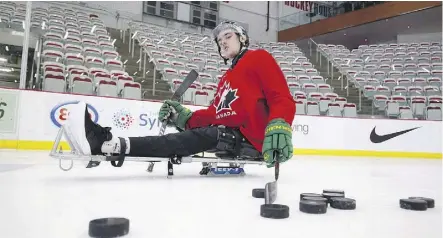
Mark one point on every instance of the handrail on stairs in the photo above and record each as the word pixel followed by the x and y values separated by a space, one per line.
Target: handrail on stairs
pixel 321 52
pixel 134 37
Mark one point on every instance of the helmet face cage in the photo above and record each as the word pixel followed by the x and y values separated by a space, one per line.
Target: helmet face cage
pixel 239 30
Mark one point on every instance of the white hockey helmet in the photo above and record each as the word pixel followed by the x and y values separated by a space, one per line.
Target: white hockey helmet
pixel 239 30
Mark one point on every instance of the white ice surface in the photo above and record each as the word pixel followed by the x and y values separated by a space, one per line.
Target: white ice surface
pixel 37 199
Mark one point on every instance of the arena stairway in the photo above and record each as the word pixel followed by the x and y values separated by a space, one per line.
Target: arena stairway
pixel 162 88
pixel 353 97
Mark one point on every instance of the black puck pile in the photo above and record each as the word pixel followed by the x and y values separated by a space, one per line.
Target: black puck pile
pixel 417 203
pixel 315 203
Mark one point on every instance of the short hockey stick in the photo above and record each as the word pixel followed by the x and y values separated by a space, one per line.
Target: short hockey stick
pixel 178 94
pixel 271 187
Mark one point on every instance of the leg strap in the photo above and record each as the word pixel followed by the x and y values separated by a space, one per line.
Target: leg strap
pixel 231 143
pixel 121 156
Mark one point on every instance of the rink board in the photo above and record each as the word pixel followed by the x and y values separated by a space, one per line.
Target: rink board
pixel 30 121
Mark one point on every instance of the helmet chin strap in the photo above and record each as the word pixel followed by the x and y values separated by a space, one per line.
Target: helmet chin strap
pixel 238 56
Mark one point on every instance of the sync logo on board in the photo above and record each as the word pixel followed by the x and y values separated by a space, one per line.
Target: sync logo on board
pixel 123 119
pixel 60 113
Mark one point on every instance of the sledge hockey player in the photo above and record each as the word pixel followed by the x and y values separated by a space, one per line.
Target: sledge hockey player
pixel 251 114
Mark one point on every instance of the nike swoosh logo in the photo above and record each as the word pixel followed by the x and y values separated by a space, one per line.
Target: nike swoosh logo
pixel 375 138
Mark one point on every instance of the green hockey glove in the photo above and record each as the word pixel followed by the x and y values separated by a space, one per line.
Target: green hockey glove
pixel 278 138
pixel 174 113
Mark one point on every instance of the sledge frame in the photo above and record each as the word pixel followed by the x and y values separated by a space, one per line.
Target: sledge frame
pixel 76 154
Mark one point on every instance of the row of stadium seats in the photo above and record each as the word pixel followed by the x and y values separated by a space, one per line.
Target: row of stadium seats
pixel 394 76
pixel 327 103
pixel 90 81
pixel 389 89
pixel 332 109
pixel 428 108
pixel 397 45
pixel 146 33
pixel 399 56
pixel 389 73
pixel 12 14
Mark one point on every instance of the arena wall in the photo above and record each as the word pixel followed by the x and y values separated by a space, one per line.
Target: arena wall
pixel 30 120
pixel 253 16
pixel 420 37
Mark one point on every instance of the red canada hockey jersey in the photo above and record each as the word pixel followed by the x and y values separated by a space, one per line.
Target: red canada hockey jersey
pixel 248 97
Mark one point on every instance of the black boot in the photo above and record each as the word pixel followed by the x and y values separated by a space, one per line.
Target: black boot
pixel 96 134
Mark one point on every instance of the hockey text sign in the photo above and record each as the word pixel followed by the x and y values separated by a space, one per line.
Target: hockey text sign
pixel 309 6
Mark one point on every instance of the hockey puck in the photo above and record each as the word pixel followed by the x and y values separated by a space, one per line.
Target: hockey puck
pixel 108 227
pixel 302 195
pixel 313 207
pixel 329 196
pixel 334 191
pixel 414 204
pixel 430 201
pixel 343 203
pixel 316 199
pixel 258 192
pixel 274 211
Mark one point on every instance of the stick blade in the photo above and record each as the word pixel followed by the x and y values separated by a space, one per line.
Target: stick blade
pixel 190 78
pixel 270 192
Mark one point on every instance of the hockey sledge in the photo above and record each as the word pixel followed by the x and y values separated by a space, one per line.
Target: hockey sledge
pixel 210 164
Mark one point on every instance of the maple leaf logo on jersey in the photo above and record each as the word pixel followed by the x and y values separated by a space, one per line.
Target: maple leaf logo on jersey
pixel 227 97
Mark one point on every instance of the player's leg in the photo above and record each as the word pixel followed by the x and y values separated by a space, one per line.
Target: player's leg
pixel 184 143
pixel 96 140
